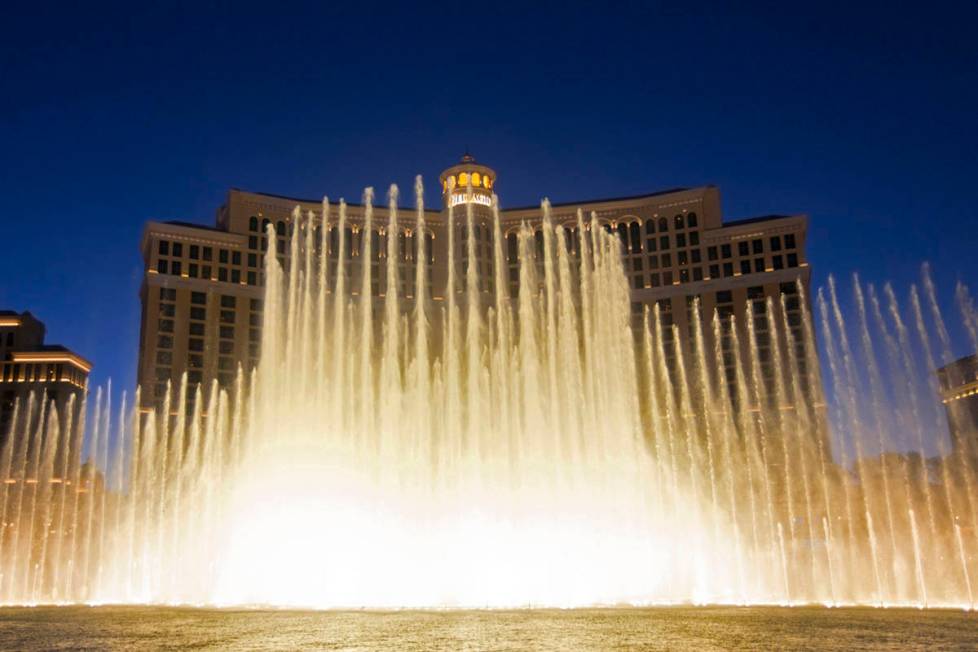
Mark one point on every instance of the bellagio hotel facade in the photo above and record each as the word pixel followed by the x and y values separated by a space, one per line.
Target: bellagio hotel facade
pixel 202 290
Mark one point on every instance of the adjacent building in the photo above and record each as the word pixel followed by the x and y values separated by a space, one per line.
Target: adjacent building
pixel 959 393
pixel 29 366
pixel 202 288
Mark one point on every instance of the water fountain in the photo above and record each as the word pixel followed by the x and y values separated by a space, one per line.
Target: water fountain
pixel 491 451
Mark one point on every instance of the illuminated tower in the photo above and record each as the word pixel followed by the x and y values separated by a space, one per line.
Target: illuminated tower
pixel 467 182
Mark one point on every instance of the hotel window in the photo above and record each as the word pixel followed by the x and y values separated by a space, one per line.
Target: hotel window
pixel 164 342
pixel 724 296
pixel 664 242
pixel 226 347
pixel 192 270
pixel 745 267
pixel 227 316
pixel 650 244
pixel 728 269
pixel 682 258
pixel 758 265
pixel 162 373
pixel 280 228
pixel 162 266
pixel 252 260
pixel 792 260
pixel 208 253
pixel 225 364
pixel 663 224
pixel 649 227
pixel 168 309
pixel 227 332
pixel 205 271
pixel 235 257
pixel 166 325
pixel 725 251
pixel 789 241
pixel 222 256
pixel 252 278
pixel 638 282
pixel 691 220
pixel 680 239
pixel 757 246
pixel 667 278
pixel 776 243
pixel 653 262
pixel 253 223
pixel 755 292
pixel 235 275
pixel 694 238
pixel 198 298
pixel 195 361
pixel 254 335
pixel 256 304
pixel 194 377
pixel 637 264
pixel 697 256
pixel 714 271
pixel 228 301
pixel 176 268
pixel 195 344
pixel 635 234
pixel 679 221
pixel 684 276
pixel 177 249
pixel 654 280
pixel 198 313
pixel 777 262
pixel 742 248
pixel 164 247
pixel 667 260
pixel 194 252
pixel 254 319
pixel 196 328
pixel 697 273
pixel 164 357
pixel 168 294
pixel 222 274
pixel 252 241
pixel 711 253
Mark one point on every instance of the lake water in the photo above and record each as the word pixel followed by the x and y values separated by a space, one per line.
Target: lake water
pixel 666 628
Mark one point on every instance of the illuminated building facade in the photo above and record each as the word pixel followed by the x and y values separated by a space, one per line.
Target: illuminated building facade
pixel 959 393
pixel 202 288
pixel 29 366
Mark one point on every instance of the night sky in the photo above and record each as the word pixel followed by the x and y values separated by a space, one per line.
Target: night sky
pixel 864 118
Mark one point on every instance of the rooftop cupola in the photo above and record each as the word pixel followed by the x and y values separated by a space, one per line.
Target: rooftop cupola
pixel 467 182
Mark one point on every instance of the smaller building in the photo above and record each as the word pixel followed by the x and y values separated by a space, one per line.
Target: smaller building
pixel 28 365
pixel 959 393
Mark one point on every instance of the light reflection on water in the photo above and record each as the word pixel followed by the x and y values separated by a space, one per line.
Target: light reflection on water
pixel 668 628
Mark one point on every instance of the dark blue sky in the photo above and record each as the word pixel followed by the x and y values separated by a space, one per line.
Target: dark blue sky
pixel 862 116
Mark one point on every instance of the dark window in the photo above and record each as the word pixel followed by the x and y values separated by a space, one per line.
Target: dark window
pixel 679 221
pixel 168 294
pixel 161 266
pixel 195 344
pixel 650 244
pixel 192 270
pixel 745 267
pixel 758 265
pixel 649 227
pixel 235 257
pixel 789 288
pixel 714 271
pixel 198 313
pixel 789 241
pixel 280 228
pixel 697 256
pixel 194 377
pixel 164 342
pixel 253 223
pixel 635 234
pixel 684 276
pixel 663 224
pixel 725 296
pixel 227 332
pixel 680 239
pixel 227 301
pixel 694 238
pixel 164 247
pixel 227 316
pixel 254 335
pixel 664 242
pixel 697 273
pixel 176 268
pixel 222 256
pixel 755 292
pixel 776 243
pixel 682 258
pixel 252 241
pixel 792 260
pixel 691 220
pixel 654 280
pixel 653 262
pixel 177 249
pixel 252 278
pixel 711 253
pixel 222 274
pixel 167 309
pixel 254 319
pixel 757 246
pixel 195 252
pixel 162 373
pixel 256 304
pixel 164 357
pixel 166 325
pixel 195 361
pixel 667 278
pixel 225 363
pixel 196 328
pixel 777 262
pixel 666 260
pixel 226 347
pixel 725 251
pixel 205 271
pixel 252 260
pixel 208 253
pixel 742 248
pixel 235 275
pixel 728 269
pixel 198 298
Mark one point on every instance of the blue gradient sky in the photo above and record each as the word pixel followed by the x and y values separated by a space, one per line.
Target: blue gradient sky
pixel 863 117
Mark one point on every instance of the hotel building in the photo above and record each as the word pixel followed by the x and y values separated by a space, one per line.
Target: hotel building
pixel 202 286
pixel 28 365
pixel 959 393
